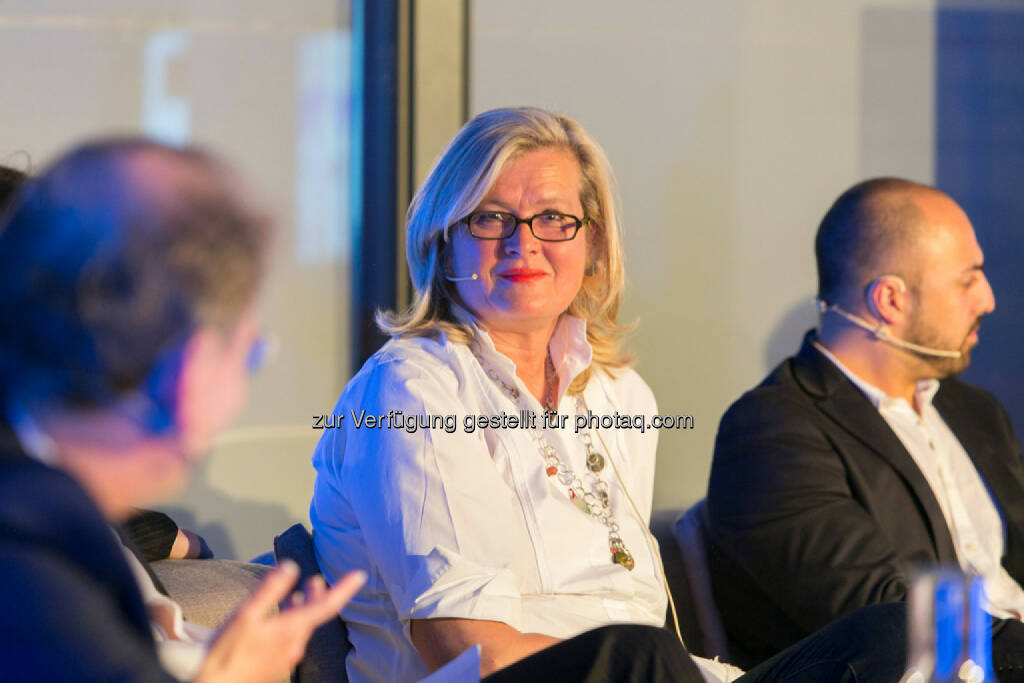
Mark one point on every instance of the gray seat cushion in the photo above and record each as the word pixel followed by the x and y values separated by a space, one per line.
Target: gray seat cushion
pixel 209 591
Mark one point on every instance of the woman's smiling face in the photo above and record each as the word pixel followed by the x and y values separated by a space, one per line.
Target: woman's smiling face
pixel 524 284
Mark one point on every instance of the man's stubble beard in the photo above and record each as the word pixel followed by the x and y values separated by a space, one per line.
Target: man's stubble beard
pixel 935 366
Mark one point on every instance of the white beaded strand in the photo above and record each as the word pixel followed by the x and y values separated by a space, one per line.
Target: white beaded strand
pixel 594 502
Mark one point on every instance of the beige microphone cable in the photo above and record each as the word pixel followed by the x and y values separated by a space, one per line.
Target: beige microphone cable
pixel 652 542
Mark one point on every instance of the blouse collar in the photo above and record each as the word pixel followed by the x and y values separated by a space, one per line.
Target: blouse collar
pixel 570 351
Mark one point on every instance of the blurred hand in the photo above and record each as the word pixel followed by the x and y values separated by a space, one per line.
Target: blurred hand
pixel 257 645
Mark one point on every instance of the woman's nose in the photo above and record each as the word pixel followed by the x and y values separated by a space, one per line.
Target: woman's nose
pixel 521 241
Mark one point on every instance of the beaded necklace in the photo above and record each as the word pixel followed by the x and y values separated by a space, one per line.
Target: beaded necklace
pixel 593 502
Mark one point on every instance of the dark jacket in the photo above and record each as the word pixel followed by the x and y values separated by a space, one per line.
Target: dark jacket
pixel 815 508
pixel 69 606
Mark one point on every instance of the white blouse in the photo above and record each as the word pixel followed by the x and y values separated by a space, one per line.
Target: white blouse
pixel 459 523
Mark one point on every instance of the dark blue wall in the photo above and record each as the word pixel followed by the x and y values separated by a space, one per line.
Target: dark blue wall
pixel 979 160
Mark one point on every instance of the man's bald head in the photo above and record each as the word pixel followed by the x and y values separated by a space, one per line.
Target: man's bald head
pixel 110 259
pixel 871 230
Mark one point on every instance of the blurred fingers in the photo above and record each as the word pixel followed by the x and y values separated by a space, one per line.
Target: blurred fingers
pixel 328 602
pixel 316 587
pixel 339 595
pixel 271 590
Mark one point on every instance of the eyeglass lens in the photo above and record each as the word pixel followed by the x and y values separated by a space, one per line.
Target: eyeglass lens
pixel 550 226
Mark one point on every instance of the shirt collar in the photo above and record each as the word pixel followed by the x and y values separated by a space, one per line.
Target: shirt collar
pixel 924 391
pixel 570 351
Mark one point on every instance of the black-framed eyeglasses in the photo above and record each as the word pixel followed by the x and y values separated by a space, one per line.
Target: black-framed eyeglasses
pixel 548 226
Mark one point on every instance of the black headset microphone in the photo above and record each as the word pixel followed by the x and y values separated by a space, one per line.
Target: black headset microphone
pixel 880 332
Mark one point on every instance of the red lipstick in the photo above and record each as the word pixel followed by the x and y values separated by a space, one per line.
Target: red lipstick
pixel 521 274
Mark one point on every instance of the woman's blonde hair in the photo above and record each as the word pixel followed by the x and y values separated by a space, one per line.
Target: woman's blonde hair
pixel 460 179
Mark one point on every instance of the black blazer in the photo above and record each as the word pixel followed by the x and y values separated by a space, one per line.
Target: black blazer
pixel 70 609
pixel 815 508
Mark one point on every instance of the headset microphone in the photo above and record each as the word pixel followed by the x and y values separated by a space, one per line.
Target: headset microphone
pixel 454 278
pixel 882 334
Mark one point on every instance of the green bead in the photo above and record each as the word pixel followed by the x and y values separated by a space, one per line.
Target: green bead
pixel 595 462
pixel 624 558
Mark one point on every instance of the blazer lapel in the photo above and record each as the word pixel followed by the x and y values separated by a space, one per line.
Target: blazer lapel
pixel 843 403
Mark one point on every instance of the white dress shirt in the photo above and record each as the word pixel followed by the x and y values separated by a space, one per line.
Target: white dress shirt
pixel 468 525
pixel 969 509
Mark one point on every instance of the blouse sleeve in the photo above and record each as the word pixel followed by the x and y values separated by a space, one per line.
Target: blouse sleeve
pixel 427 506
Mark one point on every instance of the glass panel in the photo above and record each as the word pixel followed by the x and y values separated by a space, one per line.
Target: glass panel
pixel 267 85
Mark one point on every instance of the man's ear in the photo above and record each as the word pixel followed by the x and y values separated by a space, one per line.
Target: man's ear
pixel 888 299
pixel 193 378
pixel 161 388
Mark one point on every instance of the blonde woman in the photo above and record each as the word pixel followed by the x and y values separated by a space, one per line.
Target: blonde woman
pixel 465 473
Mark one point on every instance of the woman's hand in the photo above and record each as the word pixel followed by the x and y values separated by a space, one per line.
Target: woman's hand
pixel 441 640
pixel 259 645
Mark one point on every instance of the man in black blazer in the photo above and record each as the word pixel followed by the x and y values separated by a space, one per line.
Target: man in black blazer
pixel 859 458
pixel 128 277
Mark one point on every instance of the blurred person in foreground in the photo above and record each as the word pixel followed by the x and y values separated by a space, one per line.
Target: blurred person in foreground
pixel 527 538
pixel 152 535
pixel 128 280
pixel 149 536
